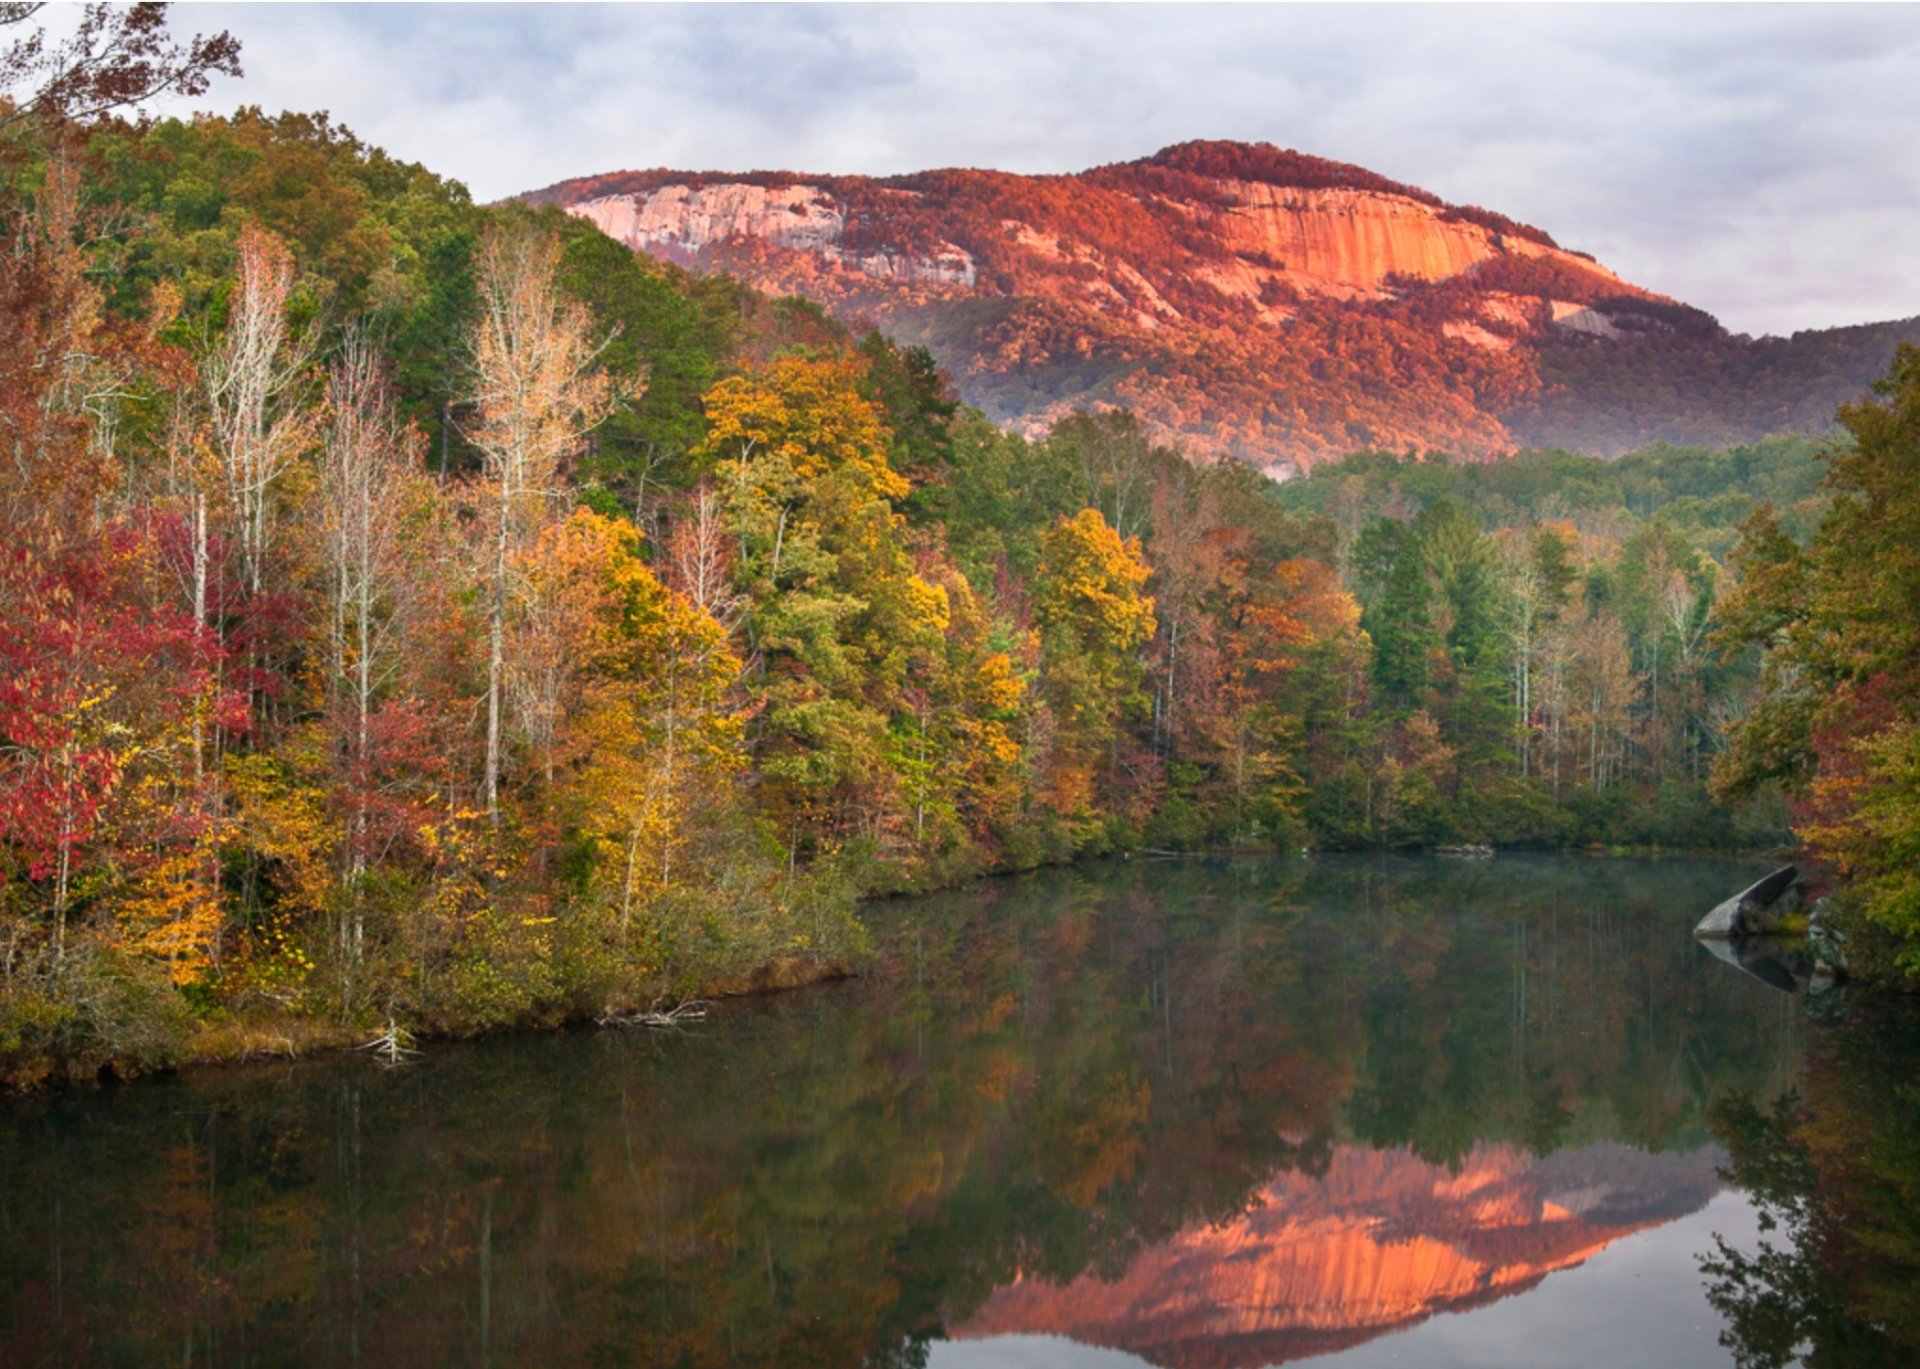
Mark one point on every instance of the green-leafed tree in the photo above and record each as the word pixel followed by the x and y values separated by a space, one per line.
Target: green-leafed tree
pixel 1839 721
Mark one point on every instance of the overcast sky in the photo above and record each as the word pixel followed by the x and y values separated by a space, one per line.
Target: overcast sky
pixel 1759 162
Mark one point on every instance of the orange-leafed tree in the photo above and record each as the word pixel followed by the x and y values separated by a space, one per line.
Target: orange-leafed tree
pixel 115 57
pixel 636 733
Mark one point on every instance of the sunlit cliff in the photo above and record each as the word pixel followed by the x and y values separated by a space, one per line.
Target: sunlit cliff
pixel 1243 299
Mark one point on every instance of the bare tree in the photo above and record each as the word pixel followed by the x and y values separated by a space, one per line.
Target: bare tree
pixel 1681 603
pixel 363 474
pixel 535 397
pixel 1526 605
pixel 251 381
pixel 700 556
pixel 192 470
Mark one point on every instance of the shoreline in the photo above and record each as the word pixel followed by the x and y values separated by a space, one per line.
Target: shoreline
pixel 286 1038
pixel 260 1041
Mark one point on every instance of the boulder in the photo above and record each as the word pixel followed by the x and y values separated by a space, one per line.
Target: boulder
pixel 1756 910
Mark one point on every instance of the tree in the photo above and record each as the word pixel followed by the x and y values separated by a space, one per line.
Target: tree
pixel 918 403
pixel 118 56
pixel 98 685
pixel 663 355
pixel 639 726
pixel 1116 461
pixel 1840 625
pixel 1401 624
pixel 67 365
pixel 431 337
pixel 535 396
pixel 838 614
pixel 368 460
pixel 252 380
pixel 1093 620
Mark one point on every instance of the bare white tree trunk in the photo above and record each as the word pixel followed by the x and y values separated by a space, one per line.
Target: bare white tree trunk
pixel 700 557
pixel 535 399
pixel 250 380
pixel 364 464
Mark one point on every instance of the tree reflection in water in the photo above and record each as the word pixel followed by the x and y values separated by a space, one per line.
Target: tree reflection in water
pixel 1336 1095
pixel 1834 1169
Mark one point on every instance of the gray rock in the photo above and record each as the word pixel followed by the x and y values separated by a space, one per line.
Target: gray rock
pixel 1827 942
pixel 1753 911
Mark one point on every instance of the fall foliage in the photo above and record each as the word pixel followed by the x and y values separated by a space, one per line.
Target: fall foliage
pixel 418 612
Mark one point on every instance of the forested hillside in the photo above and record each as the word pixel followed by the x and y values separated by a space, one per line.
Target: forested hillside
pixel 429 615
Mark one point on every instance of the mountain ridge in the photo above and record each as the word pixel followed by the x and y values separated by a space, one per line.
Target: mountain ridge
pixel 1245 300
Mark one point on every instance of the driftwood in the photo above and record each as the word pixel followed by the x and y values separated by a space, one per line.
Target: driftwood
pixel 1150 853
pixel 393 1046
pixel 693 1010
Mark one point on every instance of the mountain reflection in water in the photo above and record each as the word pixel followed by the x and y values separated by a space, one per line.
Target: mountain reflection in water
pixel 1205 1113
pixel 1379 1242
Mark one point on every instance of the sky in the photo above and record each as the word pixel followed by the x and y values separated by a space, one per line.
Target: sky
pixel 1755 161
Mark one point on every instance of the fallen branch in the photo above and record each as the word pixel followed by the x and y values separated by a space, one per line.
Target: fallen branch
pixel 393 1046
pixel 693 1010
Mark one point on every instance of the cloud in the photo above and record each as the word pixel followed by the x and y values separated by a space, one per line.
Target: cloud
pixel 1755 161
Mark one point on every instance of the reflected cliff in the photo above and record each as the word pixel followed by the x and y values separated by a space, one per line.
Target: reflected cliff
pixel 1208 1114
pixel 1379 1242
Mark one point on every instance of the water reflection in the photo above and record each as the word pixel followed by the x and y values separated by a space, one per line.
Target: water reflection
pixel 1208 1115
pixel 1380 1241
pixel 1834 1169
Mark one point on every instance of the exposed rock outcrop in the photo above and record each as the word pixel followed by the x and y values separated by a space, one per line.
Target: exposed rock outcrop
pixel 1242 299
pixel 1756 910
pixel 681 221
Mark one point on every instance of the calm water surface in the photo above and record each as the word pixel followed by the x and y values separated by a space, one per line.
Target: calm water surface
pixel 1365 1111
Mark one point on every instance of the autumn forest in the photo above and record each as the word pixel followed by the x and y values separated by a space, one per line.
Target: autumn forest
pixel 423 616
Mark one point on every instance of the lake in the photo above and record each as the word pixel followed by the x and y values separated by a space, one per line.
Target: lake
pixel 1362 1110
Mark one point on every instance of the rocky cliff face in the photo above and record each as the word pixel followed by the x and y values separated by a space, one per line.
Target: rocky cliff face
pixel 1243 299
pixel 682 221
pixel 1345 241
pixel 1379 1242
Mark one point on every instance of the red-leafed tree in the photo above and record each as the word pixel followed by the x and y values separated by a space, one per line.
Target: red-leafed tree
pixel 116 57
pixel 100 687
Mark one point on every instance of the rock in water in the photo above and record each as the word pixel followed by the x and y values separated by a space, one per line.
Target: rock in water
pixel 1752 912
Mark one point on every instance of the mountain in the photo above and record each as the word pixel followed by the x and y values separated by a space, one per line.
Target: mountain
pixel 1246 300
